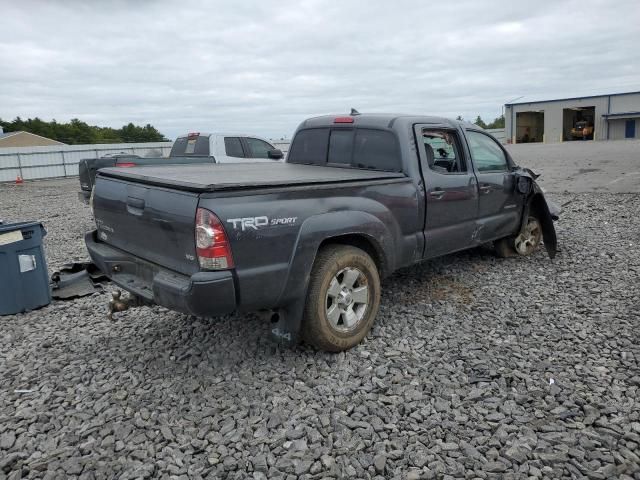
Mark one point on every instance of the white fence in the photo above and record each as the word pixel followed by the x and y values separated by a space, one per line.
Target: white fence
pixel 62 160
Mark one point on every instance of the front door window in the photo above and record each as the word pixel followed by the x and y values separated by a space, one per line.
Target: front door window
pixel 259 148
pixel 486 153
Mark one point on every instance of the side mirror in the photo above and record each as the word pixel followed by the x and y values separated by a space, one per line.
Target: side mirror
pixel 523 185
pixel 275 154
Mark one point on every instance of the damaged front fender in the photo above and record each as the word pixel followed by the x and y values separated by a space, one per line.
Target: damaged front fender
pixel 537 205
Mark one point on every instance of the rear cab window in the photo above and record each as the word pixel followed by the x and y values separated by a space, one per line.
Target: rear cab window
pixel 193 145
pixel 340 146
pixel 363 148
pixel 310 147
pixel 376 150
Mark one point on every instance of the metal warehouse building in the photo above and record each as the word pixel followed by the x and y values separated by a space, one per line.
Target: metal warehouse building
pixel 598 117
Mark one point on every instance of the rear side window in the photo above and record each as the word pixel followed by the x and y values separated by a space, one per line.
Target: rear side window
pixel 443 151
pixel 377 150
pixel 233 147
pixel 310 146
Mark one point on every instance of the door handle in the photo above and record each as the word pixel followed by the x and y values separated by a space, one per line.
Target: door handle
pixel 135 206
pixel 484 189
pixel 135 202
pixel 438 193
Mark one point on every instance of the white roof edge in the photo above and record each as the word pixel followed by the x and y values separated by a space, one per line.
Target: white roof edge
pixel 223 134
pixel 10 134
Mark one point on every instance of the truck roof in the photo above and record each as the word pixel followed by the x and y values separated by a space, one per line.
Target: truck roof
pixel 382 120
pixel 221 134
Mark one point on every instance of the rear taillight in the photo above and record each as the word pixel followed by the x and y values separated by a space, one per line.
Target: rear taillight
pixel 125 164
pixel 212 244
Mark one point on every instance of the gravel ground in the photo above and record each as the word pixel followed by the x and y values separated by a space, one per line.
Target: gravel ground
pixel 477 367
pixel 611 166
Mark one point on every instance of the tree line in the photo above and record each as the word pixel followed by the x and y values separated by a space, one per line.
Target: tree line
pixel 497 122
pixel 77 132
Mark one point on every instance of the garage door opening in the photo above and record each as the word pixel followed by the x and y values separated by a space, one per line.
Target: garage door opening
pixel 529 127
pixel 577 123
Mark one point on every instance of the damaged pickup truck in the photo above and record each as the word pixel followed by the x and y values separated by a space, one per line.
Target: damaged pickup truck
pixel 307 241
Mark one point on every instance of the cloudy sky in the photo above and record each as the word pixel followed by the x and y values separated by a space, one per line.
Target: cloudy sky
pixel 263 66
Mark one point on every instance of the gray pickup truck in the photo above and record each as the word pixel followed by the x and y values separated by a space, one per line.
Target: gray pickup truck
pixel 307 241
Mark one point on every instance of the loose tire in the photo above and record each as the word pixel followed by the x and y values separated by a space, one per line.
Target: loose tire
pixel 342 299
pixel 523 244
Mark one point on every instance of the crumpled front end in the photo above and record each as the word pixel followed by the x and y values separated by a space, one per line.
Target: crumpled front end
pixel 536 204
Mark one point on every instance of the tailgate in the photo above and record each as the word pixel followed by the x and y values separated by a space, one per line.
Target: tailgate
pixel 87 169
pixel 153 223
pixel 83 173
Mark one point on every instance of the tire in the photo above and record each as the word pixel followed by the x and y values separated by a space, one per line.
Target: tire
pixel 504 247
pixel 523 244
pixel 337 315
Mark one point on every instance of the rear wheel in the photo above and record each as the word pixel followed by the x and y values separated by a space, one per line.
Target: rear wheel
pixel 343 298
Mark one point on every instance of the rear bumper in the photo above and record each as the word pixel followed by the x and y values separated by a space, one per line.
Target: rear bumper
pixel 202 294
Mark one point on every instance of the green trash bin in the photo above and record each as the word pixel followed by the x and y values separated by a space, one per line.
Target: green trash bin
pixel 24 279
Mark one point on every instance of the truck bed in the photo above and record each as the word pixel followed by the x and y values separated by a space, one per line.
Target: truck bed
pixel 217 177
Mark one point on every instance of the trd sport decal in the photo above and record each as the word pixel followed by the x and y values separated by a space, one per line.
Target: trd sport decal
pixel 254 223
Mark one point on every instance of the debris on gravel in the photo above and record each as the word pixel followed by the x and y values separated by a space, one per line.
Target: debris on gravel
pixel 477 367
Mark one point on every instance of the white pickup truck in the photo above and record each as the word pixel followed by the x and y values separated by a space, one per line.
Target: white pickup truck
pixel 225 147
pixel 187 149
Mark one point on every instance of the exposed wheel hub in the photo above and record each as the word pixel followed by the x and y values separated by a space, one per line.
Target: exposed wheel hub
pixel 529 239
pixel 347 299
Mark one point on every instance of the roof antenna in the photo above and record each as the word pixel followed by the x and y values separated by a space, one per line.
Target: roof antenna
pixel 354 112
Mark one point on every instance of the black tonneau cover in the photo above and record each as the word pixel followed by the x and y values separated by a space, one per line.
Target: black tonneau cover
pixel 227 176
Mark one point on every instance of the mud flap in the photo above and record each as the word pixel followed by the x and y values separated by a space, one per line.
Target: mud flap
pixel 287 322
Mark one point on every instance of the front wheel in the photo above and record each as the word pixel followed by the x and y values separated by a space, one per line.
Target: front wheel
pixel 524 244
pixel 342 300
pixel 528 240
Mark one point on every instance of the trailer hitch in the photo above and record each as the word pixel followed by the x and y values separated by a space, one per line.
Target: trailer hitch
pixel 285 323
pixel 119 304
